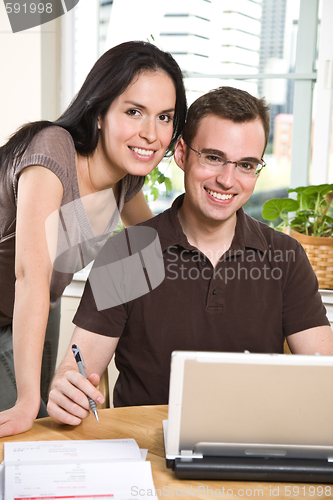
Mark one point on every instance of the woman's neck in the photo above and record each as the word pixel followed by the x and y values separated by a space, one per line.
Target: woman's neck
pixel 93 176
pixel 100 199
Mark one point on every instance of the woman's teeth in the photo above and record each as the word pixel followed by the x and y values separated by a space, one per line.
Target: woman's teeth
pixel 143 152
pixel 220 196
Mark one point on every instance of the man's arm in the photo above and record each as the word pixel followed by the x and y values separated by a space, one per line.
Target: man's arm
pixel 68 401
pixel 311 341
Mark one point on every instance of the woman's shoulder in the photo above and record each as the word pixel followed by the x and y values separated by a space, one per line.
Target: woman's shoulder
pixel 53 148
pixel 53 138
pixel 54 143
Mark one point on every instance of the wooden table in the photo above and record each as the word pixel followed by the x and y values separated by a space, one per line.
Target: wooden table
pixel 144 424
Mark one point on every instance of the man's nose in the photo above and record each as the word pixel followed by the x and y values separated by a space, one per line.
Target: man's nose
pixel 226 175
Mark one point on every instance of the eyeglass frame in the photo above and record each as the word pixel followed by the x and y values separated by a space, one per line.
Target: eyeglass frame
pixel 257 172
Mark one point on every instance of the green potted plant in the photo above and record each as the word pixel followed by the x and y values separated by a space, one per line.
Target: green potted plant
pixel 309 219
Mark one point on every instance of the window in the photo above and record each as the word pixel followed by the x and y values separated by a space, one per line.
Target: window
pixel 268 48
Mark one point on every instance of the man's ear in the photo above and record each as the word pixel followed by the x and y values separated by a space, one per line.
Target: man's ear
pixel 180 153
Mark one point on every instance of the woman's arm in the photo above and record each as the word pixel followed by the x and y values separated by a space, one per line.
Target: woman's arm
pixel 39 195
pixel 136 210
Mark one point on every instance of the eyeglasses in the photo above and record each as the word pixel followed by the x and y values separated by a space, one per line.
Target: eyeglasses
pixel 216 162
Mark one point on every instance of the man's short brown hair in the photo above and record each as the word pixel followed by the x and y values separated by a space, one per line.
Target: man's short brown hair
pixel 226 102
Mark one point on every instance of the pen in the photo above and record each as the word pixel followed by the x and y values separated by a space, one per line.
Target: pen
pixel 81 366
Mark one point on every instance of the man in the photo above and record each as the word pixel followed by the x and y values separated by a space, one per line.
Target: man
pixel 231 283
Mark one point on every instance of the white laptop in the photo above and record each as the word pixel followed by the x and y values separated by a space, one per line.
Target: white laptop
pixel 250 416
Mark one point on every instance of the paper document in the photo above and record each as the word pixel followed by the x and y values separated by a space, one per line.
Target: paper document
pixel 57 470
pixel 69 451
pixel 2 482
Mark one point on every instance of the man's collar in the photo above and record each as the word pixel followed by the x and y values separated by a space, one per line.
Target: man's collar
pixel 171 232
pixel 248 233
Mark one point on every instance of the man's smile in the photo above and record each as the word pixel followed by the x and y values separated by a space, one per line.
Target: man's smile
pixel 219 196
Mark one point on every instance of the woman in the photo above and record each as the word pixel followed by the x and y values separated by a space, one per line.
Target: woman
pixel 129 111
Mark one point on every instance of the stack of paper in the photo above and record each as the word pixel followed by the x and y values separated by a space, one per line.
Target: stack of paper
pixel 59 470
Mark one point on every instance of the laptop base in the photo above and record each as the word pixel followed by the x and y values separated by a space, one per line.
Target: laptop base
pixel 255 469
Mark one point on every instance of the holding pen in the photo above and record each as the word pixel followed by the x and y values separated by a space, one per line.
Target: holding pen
pixel 81 366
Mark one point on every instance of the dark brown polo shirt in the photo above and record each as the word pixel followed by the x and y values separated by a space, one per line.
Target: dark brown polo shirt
pixel 262 290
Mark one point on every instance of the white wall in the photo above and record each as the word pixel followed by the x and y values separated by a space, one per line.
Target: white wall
pixel 29 81
pixel 20 85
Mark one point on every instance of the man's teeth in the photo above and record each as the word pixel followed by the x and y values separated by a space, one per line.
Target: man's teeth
pixel 143 152
pixel 220 196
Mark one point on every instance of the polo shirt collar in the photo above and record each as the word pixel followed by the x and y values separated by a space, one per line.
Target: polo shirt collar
pixel 169 228
pixel 248 233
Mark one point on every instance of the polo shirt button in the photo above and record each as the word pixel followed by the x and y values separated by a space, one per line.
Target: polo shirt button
pixel 204 262
pixel 214 292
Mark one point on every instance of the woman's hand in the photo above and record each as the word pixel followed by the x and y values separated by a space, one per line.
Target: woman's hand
pixel 17 419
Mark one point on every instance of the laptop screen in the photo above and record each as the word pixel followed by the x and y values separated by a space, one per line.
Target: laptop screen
pixel 252 404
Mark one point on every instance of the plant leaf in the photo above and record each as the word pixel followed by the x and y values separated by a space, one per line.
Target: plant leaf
pixel 326 219
pixel 154 192
pixel 297 190
pixel 321 189
pixel 273 209
pixel 168 184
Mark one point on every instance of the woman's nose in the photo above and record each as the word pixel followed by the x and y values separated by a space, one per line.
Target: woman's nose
pixel 148 130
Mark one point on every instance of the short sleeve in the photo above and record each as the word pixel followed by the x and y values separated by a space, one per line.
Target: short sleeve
pixel 302 304
pixel 52 148
pixel 109 322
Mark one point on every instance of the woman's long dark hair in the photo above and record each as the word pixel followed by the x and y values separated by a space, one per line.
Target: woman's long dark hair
pixel 109 77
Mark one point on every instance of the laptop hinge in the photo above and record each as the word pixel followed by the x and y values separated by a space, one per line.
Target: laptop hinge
pixel 189 454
